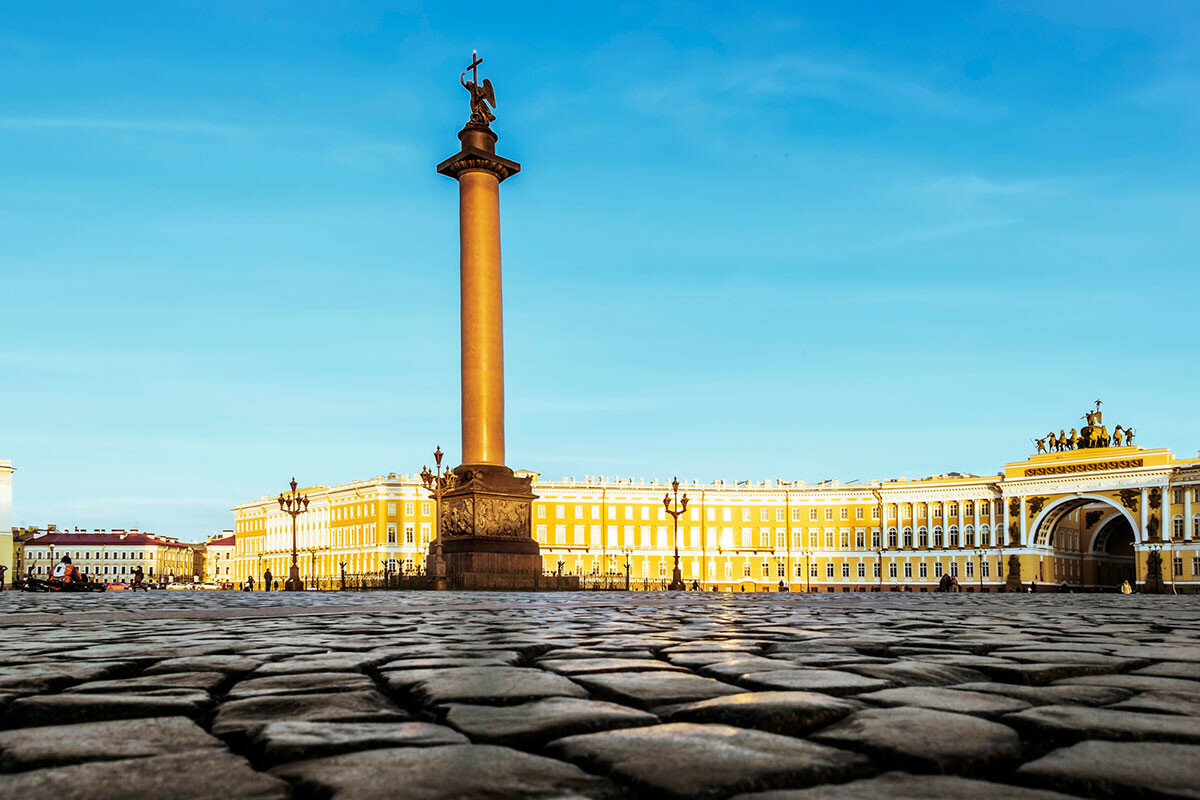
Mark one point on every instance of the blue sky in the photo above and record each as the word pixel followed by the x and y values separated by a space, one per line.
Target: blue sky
pixel 794 240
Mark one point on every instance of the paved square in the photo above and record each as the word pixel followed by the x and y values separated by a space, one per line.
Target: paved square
pixel 461 695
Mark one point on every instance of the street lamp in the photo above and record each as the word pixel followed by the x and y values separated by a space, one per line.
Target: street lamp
pixel 627 552
pixel 979 553
pixel 293 504
pixel 436 482
pixel 680 506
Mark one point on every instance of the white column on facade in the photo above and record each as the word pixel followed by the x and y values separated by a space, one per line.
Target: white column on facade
pixel 992 519
pixel 1003 536
pixel 1187 513
pixel 1024 537
pixel 975 520
pixel 1165 514
pixel 1143 534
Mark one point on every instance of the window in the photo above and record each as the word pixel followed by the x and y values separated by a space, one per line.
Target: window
pixel 892 538
pixel 985 507
pixel 954 537
pixel 764 515
pixel 781 570
pixel 409 533
pixel 985 536
pixel 628 512
pixel 812 515
pixel 953 512
pixel 745 515
pixel 391 508
pixel 954 569
pixel 645 512
pixel 812 570
pixel 779 515
pixel 907 570
pixel 844 512
pixel 766 570
pixel 426 509
pixel 985 569
pixel 829 514
pixel 579 512
pixel 1195 566
pixel 937 569
pixel 860 540
pixel 746 570
pixel 858 512
pixel 1177 496
pixel 1177 528
pixel 541 512
pixel 874 512
pixel 560 534
pixel 923 570
pixel 1196 526
pixel 937 509
pixel 970 569
pixel 923 538
pixel 727 515
pixel 845 539
pixel 828 540
pixel 968 508
pixel 845 569
pixel 892 569
pixel 799 570
pixel 908 537
pixel 391 533
pixel 969 537
pixel 1178 565
pixel 875 539
pixel 829 570
pixel 408 509
pixel 862 570
pixel 795 515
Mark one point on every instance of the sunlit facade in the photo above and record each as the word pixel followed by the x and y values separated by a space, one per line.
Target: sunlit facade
pixel 111 555
pixel 1083 518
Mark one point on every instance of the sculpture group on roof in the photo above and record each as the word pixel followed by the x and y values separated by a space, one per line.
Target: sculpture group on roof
pixel 1093 434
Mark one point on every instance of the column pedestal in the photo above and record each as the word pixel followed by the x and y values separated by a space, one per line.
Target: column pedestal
pixel 487 540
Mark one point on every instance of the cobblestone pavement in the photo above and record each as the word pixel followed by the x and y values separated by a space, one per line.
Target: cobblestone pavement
pixel 458 695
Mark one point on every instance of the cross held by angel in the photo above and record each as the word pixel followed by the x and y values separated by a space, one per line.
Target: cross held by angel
pixel 481 93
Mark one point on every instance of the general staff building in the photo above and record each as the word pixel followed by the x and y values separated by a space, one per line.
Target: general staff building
pixel 1086 517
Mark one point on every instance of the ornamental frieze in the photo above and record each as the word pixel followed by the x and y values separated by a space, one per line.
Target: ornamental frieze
pixel 1090 466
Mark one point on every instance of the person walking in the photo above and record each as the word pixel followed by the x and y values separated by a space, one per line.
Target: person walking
pixel 1126 588
pixel 267 577
pixel 3 569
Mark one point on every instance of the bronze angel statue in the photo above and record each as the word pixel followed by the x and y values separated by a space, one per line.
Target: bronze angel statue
pixel 481 94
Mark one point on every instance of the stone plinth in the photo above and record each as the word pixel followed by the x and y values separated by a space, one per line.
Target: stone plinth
pixel 487 540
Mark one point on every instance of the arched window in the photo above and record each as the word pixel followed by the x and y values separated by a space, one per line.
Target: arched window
pixel 1177 528
pixel 908 537
pixel 954 536
pixel 985 536
pixel 892 538
pixel 969 536
pixel 922 537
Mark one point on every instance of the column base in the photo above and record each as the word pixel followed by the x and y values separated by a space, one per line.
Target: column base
pixel 487 540
pixel 293 583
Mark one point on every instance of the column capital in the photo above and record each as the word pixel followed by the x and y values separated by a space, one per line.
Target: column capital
pixel 478 153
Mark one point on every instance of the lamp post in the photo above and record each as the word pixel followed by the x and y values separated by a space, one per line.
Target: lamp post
pixel 436 482
pixel 293 504
pixel 675 509
pixel 979 553
pixel 627 552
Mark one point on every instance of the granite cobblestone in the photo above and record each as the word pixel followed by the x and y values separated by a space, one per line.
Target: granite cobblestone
pixel 468 695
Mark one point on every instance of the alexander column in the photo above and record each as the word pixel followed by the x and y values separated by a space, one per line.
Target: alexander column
pixel 486 539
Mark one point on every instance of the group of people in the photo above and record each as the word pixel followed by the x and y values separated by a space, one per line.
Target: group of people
pixel 269 582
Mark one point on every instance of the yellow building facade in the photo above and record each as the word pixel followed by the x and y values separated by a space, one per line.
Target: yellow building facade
pixel 1084 518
